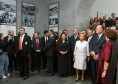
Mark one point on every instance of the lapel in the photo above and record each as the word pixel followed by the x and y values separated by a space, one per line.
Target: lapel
pixel 100 38
pixel 23 43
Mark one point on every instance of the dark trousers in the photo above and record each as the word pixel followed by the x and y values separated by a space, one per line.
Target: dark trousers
pixel 44 59
pixel 94 67
pixel 23 62
pixel 71 62
pixel 55 62
pixel 12 63
pixel 36 61
pixel 50 65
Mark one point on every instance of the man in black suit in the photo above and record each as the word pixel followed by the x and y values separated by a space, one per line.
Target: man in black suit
pixel 44 40
pixel 72 41
pixel 49 48
pixel 23 45
pixel 11 47
pixel 113 22
pixel 104 22
pixel 36 46
pixel 96 44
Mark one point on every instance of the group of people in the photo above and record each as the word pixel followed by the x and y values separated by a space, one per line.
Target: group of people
pixel 94 50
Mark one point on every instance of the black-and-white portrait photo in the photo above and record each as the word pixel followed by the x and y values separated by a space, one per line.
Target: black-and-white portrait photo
pixel 8 5
pixel 54 16
pixel 8 12
pixel 53 22
pixel 53 10
pixel 28 15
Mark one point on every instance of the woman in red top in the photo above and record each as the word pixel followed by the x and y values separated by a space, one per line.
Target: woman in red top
pixel 105 57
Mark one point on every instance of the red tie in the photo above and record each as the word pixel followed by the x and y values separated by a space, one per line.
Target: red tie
pixel 20 43
pixel 37 45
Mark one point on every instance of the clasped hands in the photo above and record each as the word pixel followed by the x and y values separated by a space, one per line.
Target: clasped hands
pixel 95 57
pixel 63 52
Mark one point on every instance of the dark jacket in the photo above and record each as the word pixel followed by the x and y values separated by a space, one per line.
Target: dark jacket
pixel 50 46
pixel 26 45
pixel 72 42
pixel 33 45
pixel 11 46
pixel 95 44
pixel 3 46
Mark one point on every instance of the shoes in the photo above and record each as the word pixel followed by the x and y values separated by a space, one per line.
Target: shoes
pixel 77 79
pixel 4 77
pixel 25 77
pixel 60 75
pixel 65 76
pixel 51 75
pixel 82 80
pixel 8 74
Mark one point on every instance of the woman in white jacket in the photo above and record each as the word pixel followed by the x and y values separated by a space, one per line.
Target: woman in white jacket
pixel 80 55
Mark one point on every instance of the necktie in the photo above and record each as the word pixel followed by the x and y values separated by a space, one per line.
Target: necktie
pixel 20 43
pixel 98 37
pixel 37 45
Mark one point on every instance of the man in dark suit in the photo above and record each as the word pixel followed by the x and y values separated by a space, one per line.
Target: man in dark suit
pixel 96 44
pixel 36 46
pixel 72 41
pixel 11 47
pixel 49 48
pixel 23 45
pixel 44 40
pixel 104 22
pixel 113 22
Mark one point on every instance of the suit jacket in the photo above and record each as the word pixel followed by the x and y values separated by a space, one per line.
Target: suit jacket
pixel 50 46
pixel 72 42
pixel 11 46
pixel 104 21
pixel 112 23
pixel 95 44
pixel 34 47
pixel 26 45
pixel 43 41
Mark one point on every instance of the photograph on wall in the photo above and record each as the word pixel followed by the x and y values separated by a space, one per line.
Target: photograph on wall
pixel 54 16
pixel 5 28
pixel 54 28
pixel 7 12
pixel 28 15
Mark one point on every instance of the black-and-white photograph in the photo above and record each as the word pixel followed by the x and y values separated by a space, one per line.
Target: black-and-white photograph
pixel 7 12
pixel 53 9
pixel 54 16
pixel 7 18
pixel 8 5
pixel 28 14
pixel 53 22
pixel 55 29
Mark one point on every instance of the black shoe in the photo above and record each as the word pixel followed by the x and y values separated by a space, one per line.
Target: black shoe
pixel 25 77
pixel 82 80
pixel 60 75
pixel 51 75
pixel 65 76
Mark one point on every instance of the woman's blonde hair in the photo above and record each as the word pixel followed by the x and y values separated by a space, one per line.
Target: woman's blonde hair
pixel 84 33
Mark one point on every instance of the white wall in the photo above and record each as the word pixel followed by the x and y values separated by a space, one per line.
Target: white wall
pixel 104 7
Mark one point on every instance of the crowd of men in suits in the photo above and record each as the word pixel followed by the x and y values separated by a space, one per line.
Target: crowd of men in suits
pixel 41 51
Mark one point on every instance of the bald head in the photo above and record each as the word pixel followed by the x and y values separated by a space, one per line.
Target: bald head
pixel 99 29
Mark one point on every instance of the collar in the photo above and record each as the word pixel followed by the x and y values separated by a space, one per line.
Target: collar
pixel 51 35
pixel 23 35
pixel 100 35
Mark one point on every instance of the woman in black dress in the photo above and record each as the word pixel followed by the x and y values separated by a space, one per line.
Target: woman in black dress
pixel 63 49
